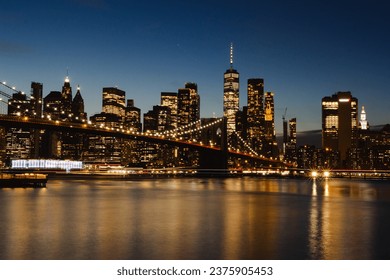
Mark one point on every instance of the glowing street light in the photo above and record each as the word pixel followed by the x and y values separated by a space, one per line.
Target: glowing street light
pixel 326 174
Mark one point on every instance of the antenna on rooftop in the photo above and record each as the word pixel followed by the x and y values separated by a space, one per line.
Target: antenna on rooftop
pixel 67 76
pixel 231 55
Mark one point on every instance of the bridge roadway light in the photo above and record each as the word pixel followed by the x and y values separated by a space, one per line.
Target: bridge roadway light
pixel 326 174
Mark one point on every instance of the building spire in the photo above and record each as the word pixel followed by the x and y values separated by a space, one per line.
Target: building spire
pixel 363 120
pixel 67 76
pixel 231 55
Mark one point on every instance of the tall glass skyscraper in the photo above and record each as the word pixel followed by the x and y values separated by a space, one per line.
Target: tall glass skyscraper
pixel 231 95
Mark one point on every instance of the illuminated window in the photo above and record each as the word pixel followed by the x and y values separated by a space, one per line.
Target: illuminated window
pixel 332 121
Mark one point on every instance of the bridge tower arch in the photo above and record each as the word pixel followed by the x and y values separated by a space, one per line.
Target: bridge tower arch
pixel 216 159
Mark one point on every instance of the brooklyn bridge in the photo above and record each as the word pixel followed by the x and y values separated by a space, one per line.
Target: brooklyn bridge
pixel 210 156
pixel 207 139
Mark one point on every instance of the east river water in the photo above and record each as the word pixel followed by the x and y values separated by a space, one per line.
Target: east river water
pixel 197 218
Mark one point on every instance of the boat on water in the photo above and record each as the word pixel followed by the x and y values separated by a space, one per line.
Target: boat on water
pixel 23 180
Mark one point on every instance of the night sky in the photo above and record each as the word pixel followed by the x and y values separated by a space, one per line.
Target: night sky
pixel 304 50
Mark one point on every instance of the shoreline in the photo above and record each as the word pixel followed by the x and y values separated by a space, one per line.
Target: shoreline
pixel 153 175
pixel 206 175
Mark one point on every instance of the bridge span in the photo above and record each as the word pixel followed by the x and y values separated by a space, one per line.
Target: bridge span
pixel 210 153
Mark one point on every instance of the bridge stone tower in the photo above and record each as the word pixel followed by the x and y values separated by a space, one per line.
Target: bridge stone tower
pixel 216 160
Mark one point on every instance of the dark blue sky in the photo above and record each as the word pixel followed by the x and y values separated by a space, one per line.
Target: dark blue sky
pixel 304 50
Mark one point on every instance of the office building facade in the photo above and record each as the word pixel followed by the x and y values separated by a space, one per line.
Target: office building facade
pixel 114 101
pixel 339 124
pixel 255 113
pixel 291 145
pixel 66 102
pixel 36 100
pixel 170 100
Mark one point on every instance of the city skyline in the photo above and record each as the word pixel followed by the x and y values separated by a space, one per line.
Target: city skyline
pixel 305 52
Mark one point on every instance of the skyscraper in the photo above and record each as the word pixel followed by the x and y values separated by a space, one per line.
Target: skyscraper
pixel 231 95
pixel 103 149
pixel 339 123
pixel 194 101
pixel 133 117
pixel 188 112
pixel 255 113
pixel 114 101
pixel 78 111
pixel 51 144
pixel 52 105
pixel 169 99
pixel 19 140
pixel 188 105
pixel 36 99
pixel 183 107
pixel 131 150
pixel 293 131
pixel 158 119
pixel 19 105
pixel 72 144
pixel 270 147
pixel 66 105
pixel 36 112
pixel 269 116
pixel 291 145
pixel 363 124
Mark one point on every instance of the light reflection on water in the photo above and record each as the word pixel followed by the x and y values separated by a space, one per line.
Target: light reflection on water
pixel 197 218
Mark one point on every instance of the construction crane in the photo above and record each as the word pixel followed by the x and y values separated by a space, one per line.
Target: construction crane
pixel 284 115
